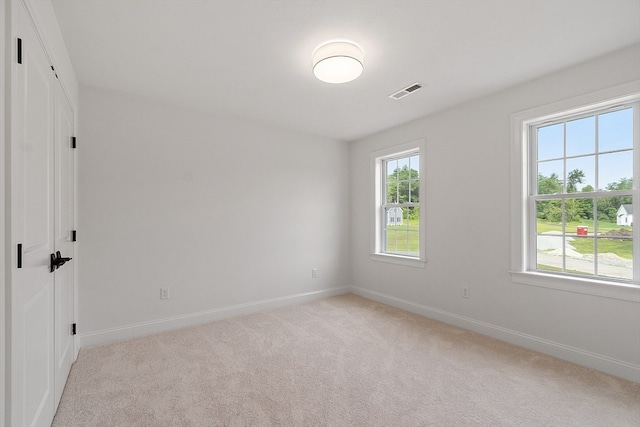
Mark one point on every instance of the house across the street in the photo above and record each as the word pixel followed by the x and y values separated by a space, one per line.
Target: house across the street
pixel 394 216
pixel 625 215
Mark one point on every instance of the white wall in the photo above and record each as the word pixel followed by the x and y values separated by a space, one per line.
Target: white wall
pixel 225 212
pixel 468 230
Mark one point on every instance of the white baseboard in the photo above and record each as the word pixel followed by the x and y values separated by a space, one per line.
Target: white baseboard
pixel 609 365
pixel 148 328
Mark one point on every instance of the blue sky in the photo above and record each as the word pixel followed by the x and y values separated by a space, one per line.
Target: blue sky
pixel 413 162
pixel 614 132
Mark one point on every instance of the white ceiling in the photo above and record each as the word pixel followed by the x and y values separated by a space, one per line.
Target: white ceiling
pixel 253 58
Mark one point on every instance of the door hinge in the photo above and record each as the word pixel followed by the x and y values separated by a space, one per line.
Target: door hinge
pixel 73 329
pixel 19 51
pixel 19 255
pixel 74 235
pixel 73 142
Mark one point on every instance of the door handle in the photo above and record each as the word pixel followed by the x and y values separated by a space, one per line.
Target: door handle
pixel 57 261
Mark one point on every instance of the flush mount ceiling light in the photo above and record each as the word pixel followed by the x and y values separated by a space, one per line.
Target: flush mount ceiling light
pixel 338 62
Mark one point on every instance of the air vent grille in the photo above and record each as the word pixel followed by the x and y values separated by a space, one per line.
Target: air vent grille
pixel 406 91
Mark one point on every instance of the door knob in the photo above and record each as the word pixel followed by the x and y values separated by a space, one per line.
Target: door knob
pixel 57 261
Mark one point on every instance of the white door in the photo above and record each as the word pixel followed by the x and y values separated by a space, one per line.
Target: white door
pixel 42 215
pixel 64 238
pixel 32 190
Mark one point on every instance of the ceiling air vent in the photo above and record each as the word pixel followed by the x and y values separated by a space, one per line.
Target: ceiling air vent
pixel 406 91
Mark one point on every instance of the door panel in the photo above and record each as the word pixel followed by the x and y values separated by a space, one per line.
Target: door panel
pixel 32 152
pixel 38 354
pixel 37 148
pixel 32 191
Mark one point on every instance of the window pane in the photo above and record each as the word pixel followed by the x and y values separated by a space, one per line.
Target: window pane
pixel 403 163
pixel 402 231
pixel 413 243
pixel 392 181
pixel 392 166
pixel 581 174
pixel 579 213
pixel 414 196
pixel 550 177
pixel 615 236
pixel 403 188
pixel 392 192
pixel 549 255
pixel 565 236
pixel 394 216
pixel 580 262
pixel 615 170
pixel 549 247
pixel 414 178
pixel 611 211
pixel 579 232
pixel 615 130
pixel 413 214
pixel 414 163
pixel 581 136
pixel 615 251
pixel 551 142
pixel 550 211
pixel 390 240
pixel 615 255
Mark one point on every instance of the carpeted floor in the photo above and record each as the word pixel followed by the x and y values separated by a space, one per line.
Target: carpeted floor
pixel 342 361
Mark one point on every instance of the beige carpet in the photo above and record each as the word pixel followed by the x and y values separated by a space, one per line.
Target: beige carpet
pixel 343 361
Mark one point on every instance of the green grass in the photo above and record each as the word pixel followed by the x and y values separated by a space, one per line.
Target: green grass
pixel 399 241
pixel 621 247
pixel 544 226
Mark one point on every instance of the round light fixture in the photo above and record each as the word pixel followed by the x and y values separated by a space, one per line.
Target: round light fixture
pixel 338 62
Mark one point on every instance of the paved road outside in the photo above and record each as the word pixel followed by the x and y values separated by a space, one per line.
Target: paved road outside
pixel 550 253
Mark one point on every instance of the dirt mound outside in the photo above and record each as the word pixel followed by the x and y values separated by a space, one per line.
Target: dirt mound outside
pixel 617 233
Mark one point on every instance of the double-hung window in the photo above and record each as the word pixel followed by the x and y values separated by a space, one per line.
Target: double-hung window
pixel 576 195
pixel 398 175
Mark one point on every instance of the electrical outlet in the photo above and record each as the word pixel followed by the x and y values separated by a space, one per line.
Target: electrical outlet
pixel 164 293
pixel 314 273
pixel 465 292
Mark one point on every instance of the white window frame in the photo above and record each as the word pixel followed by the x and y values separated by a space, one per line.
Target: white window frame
pixel 377 204
pixel 520 213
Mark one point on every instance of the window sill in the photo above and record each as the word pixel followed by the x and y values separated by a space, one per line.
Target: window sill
pixel 399 260
pixel 616 290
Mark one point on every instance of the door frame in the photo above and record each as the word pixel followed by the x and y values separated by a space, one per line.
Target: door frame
pixel 4 283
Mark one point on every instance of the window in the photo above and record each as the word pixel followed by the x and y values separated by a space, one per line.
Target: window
pixel 575 194
pixel 398 196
